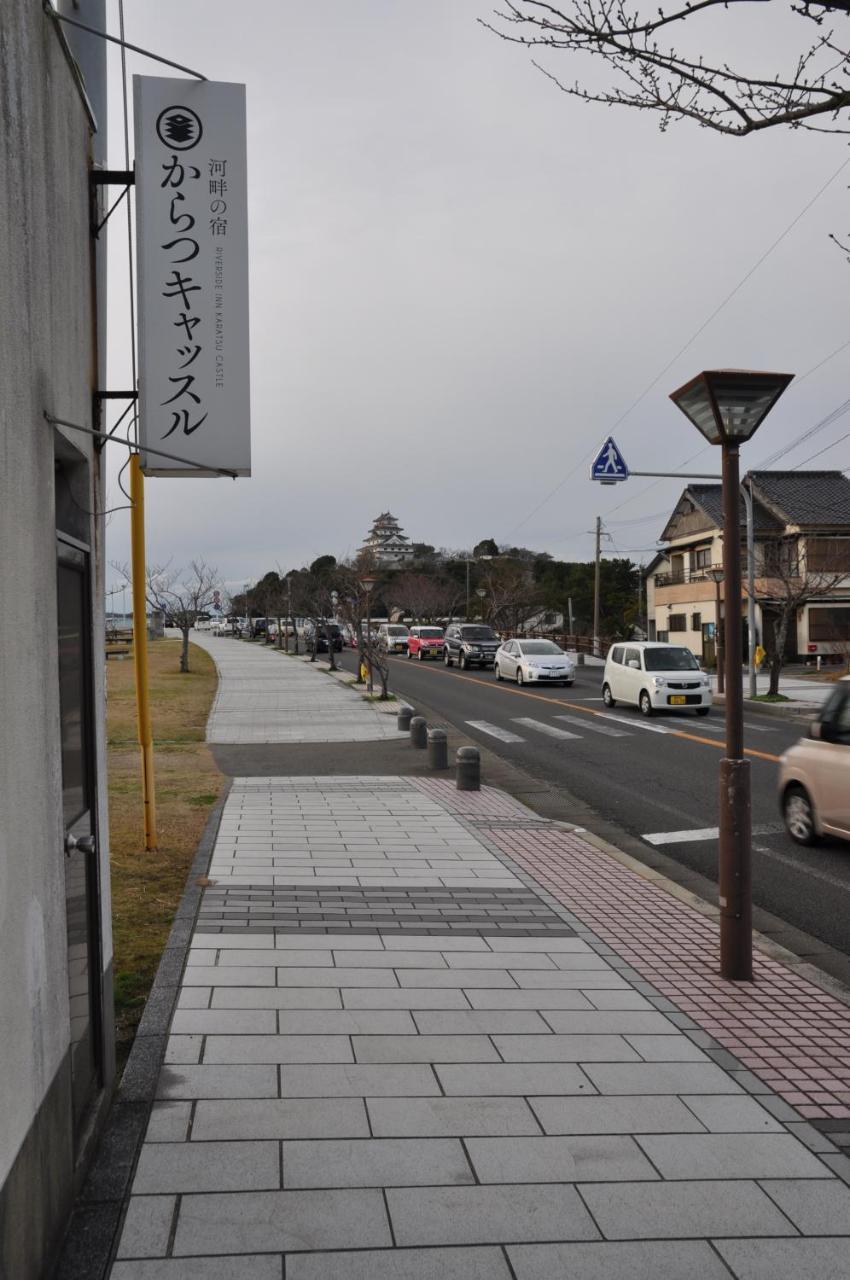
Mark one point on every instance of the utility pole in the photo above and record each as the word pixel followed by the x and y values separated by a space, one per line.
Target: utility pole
pixel 596 586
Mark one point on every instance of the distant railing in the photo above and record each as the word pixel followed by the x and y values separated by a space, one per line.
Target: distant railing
pixel 678 577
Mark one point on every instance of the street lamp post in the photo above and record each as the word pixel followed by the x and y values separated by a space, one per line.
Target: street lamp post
pixel 481 593
pixel 716 576
pixel 367 583
pixel 727 406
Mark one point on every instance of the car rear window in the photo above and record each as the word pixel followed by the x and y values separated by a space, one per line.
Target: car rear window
pixel 431 633
pixel 397 631
pixel 478 633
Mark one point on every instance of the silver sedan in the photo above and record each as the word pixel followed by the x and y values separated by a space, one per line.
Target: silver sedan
pixel 534 662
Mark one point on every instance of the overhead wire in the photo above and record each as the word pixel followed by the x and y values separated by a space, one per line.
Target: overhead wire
pixel 669 364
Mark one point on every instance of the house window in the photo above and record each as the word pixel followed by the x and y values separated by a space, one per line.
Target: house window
pixel 701 558
pixel 828 555
pixel 678 622
pixel 780 558
pixel 696 622
pixel 829 625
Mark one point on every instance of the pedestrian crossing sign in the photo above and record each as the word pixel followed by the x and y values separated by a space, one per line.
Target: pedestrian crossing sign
pixel 609 465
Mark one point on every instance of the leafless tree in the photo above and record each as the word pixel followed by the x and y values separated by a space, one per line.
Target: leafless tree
pixel 790 578
pixel 512 596
pixel 351 607
pixel 426 597
pixel 647 73
pixel 182 595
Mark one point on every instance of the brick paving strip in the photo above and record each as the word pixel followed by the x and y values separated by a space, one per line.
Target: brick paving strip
pixel 492 1100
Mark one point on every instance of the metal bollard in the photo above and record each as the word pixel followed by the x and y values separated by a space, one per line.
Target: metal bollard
pixel 468 769
pixel 405 714
pixel 419 732
pixel 438 749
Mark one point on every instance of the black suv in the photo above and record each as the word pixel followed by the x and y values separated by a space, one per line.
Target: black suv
pixel 470 645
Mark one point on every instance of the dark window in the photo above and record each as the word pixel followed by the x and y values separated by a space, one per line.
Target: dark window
pixel 633 656
pixel 617 654
pixel 829 624
pixel 701 558
pixel 674 658
pixel 828 555
pixel 696 622
pixel 678 622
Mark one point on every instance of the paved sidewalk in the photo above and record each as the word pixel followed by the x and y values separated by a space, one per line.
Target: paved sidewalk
pixel 266 696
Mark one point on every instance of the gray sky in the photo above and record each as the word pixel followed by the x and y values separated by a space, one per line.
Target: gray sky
pixel 461 279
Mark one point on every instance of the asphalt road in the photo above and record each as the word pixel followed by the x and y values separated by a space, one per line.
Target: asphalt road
pixel 654 781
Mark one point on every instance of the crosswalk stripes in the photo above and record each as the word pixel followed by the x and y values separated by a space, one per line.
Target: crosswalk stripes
pixel 634 724
pixel 540 726
pixel 504 735
pixel 591 723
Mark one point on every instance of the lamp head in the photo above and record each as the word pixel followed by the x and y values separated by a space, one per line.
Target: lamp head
pixel 714 575
pixel 729 405
pixel 367 583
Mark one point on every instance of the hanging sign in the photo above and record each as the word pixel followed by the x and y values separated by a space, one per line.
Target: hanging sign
pixel 192 256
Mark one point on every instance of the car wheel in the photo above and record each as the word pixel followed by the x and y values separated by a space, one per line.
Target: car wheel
pixel 462 663
pixel 799 815
pixel 607 697
pixel 410 655
pixel 645 704
pixel 498 670
pixel 703 711
pixel 519 675
pixel 447 659
pixel 419 655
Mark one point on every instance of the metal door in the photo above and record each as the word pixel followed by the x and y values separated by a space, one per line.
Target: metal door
pixel 81 889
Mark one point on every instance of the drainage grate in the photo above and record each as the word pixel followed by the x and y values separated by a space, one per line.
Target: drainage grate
pixel 296 908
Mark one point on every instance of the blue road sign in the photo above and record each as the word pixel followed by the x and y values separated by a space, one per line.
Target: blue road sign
pixel 609 465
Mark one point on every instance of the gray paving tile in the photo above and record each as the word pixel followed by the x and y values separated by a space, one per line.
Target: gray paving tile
pixel 329 941
pixel 254 1118
pixel 488 1215
pixel 501 999
pixel 621 1023
pixel 551 945
pixel 513 1078
pixel 169 1122
pixel 362 1080
pixel 207 1166
pixel 275 1048
pixel 639 1114
pixel 683 1210
pixel 255 1267
pixel 482 1021
pixel 517 959
pixel 183 1050
pixel 401 1264
pixel 276 998
pixel 721 1114
pixel 410 942
pixel 572 1159
pixel 391 959
pixel 279 1221
pixel 243 976
pixel 450 1048
pixel 570 980
pixel 388 998
pixel 731 1155
pixel 217 1082
pixel 609 1260
pixel 375 1162
pixel 661 1077
pixel 456 978
pixel 450 1117
pixel 564 1048
pixel 193 997
pixel 274 956
pixel 667 1048
pixel 397 1022
pixel 339 976
pixel 224 1021
pixel 624 999
pixel 147 1227
pixel 815 1208
pixel 816 1259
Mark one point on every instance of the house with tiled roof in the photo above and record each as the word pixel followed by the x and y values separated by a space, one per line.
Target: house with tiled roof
pixel 801 524
pixel 387 546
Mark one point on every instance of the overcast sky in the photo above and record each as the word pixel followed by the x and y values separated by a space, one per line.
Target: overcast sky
pixel 462 279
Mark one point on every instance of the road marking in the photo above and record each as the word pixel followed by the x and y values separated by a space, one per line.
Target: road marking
pixel 705 833
pixel 504 735
pixel 541 727
pixel 596 728
pixel 591 711
pixel 807 869
pixel 758 728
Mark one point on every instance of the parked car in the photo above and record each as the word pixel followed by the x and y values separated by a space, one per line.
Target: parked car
pixel 814 774
pixel 470 645
pixel 425 642
pixel 655 677
pixel 527 661
pixel 329 634
pixel 392 637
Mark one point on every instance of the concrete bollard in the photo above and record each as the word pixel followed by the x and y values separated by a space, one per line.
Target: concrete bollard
pixel 405 715
pixel 468 769
pixel 419 732
pixel 438 749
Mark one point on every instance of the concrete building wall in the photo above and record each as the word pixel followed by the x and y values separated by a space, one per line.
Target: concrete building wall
pixel 48 362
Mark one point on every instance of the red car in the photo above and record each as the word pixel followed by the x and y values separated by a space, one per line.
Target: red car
pixel 425 642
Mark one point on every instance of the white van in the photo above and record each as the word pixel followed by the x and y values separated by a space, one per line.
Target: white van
pixel 655 677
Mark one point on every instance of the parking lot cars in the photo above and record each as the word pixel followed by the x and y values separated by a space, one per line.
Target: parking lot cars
pixel 528 661
pixel 814 774
pixel 470 645
pixel 655 677
pixel 392 637
pixel 425 642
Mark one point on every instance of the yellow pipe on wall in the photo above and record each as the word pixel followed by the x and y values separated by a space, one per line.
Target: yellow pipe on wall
pixel 140 647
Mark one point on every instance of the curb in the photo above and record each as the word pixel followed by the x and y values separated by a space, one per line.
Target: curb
pixel 792 710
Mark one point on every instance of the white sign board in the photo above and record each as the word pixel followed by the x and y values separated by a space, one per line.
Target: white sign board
pixel 192 254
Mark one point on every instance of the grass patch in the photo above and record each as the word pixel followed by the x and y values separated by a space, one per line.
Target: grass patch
pixel 146 887
pixel 770 697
